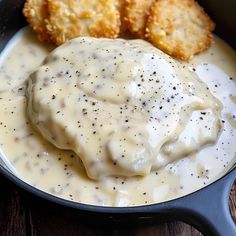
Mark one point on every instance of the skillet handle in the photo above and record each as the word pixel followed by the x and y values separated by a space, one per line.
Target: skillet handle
pixel 208 209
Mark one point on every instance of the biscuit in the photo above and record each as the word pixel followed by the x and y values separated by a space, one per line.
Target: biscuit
pixel 180 28
pixel 36 13
pixel 136 13
pixel 69 19
pixel 121 8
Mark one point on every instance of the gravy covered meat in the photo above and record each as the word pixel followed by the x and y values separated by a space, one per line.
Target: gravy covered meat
pixel 123 107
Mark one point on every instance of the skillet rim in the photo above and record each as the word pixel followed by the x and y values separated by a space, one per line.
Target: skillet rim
pixel 103 209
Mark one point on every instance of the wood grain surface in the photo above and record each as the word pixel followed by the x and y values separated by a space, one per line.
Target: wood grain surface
pixel 23 214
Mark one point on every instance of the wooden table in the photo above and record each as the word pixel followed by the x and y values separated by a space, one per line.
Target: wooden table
pixel 22 213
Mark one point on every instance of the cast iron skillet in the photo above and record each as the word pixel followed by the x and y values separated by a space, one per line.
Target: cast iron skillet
pixel 206 209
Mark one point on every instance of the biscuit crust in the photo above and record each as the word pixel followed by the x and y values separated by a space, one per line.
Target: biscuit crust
pixel 36 13
pixel 121 8
pixel 180 28
pixel 136 13
pixel 69 19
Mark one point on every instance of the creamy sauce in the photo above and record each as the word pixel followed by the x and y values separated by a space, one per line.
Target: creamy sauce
pixel 190 149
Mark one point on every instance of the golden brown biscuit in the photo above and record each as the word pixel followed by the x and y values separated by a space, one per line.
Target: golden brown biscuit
pixel 121 8
pixel 136 15
pixel 69 19
pixel 36 13
pixel 180 28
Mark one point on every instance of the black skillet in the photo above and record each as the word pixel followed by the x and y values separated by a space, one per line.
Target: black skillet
pixel 206 209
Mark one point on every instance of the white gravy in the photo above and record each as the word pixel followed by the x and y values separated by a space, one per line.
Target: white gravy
pixel 186 155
